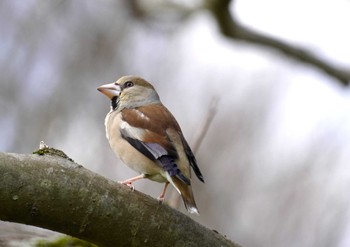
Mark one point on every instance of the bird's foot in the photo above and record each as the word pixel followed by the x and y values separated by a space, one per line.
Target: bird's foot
pixel 160 199
pixel 162 195
pixel 127 183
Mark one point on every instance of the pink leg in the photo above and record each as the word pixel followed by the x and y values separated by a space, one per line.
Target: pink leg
pixel 161 196
pixel 129 181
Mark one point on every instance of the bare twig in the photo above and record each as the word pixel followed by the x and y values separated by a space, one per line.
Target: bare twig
pixel 205 124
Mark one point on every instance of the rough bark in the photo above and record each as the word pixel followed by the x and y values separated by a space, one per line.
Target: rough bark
pixel 55 193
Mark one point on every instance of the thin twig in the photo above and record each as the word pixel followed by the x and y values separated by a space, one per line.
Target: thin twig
pixel 206 124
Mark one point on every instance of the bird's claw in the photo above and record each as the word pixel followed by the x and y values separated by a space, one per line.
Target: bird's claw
pixel 160 199
pixel 127 183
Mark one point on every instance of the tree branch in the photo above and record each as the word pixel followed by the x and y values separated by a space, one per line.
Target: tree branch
pixel 212 110
pixel 231 28
pixel 57 194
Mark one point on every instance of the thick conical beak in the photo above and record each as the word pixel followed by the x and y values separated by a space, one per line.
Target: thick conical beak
pixel 110 90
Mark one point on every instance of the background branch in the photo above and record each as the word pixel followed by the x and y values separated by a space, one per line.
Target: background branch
pixel 203 129
pixel 231 28
pixel 55 193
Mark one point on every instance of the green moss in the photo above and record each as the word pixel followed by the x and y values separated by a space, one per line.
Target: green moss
pixel 65 241
pixel 52 151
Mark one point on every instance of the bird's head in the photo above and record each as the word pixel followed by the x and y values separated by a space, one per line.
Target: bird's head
pixel 130 92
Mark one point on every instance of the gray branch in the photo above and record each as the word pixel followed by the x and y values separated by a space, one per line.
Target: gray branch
pixel 232 29
pixel 57 194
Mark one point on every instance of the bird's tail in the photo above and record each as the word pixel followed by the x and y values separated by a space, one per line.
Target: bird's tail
pixel 186 194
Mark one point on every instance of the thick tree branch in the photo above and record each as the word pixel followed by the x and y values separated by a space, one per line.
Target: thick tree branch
pixel 230 27
pixel 54 193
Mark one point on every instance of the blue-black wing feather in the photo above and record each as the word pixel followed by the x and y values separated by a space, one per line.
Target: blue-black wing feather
pixel 154 152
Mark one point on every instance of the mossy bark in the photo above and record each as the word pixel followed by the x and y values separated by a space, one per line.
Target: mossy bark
pixel 57 194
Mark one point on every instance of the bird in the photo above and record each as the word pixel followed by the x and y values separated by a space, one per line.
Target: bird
pixel 146 137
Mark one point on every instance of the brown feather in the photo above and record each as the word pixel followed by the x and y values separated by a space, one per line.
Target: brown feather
pixel 186 194
pixel 159 117
pixel 155 119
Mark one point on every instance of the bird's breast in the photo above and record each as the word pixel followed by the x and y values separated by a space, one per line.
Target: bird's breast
pixel 127 153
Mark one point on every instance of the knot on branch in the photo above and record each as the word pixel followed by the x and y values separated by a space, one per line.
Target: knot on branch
pixel 45 149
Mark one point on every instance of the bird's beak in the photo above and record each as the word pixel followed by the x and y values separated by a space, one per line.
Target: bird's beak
pixel 110 90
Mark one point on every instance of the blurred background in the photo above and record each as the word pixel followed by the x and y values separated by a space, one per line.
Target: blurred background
pixel 275 157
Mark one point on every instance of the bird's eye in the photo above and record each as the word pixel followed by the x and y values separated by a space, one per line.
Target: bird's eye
pixel 129 84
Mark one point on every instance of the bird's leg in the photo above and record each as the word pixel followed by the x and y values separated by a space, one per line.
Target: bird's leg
pixel 129 181
pixel 161 196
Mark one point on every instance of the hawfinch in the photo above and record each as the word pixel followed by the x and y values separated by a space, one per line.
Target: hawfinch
pixel 147 138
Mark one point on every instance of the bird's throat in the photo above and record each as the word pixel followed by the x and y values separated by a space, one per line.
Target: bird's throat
pixel 114 103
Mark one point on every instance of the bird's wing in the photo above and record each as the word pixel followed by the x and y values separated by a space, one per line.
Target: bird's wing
pixel 152 149
pixel 147 133
pixel 191 158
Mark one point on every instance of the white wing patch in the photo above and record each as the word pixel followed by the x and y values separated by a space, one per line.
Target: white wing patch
pixel 143 116
pixel 135 133
pixel 124 125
